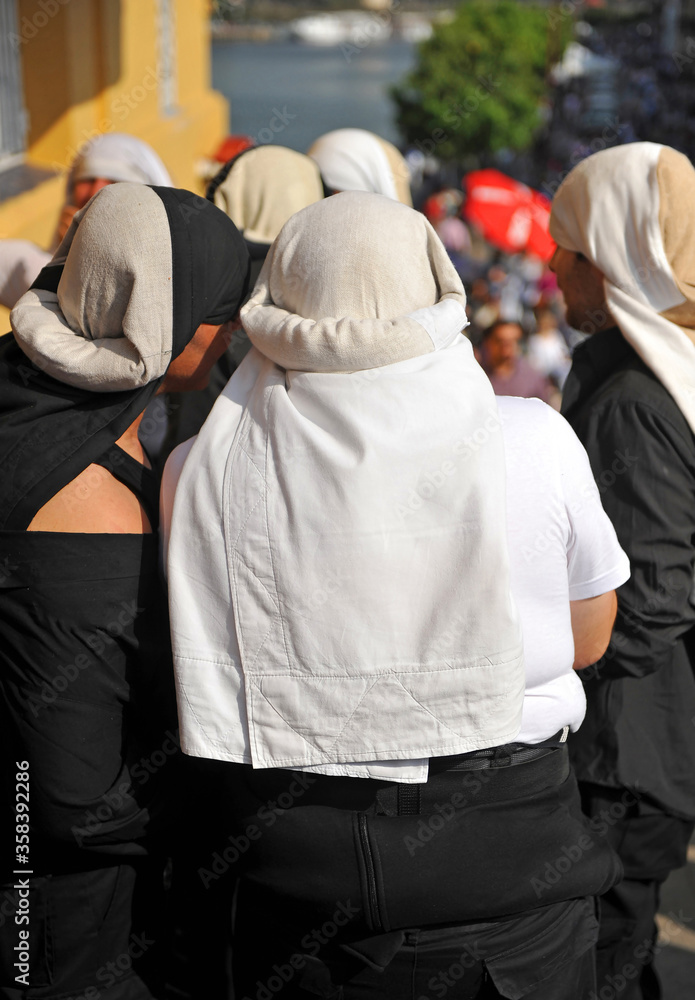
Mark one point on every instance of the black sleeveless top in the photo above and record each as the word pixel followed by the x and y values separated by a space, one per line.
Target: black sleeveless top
pixel 140 480
pixel 86 683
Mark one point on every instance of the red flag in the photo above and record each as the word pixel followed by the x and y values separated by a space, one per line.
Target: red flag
pixel 511 216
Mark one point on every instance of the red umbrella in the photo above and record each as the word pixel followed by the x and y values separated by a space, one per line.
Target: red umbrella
pixel 511 216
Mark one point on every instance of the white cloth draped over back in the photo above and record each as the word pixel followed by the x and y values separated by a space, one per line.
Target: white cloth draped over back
pixel 338 570
pixel 630 211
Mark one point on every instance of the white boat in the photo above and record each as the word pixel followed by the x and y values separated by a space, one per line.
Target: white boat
pixel 350 26
pixel 413 27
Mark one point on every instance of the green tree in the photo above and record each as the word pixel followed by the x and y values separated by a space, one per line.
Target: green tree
pixel 480 80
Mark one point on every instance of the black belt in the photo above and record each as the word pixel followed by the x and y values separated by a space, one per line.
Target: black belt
pixel 507 755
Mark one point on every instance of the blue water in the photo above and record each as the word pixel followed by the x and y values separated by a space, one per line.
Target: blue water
pixel 291 93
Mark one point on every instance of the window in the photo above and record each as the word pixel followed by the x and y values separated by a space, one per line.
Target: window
pixel 167 57
pixel 12 114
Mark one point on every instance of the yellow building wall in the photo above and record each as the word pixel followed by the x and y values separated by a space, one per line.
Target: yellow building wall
pixel 93 66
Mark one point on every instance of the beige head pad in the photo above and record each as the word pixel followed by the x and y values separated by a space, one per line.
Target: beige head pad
pixel 676 180
pixel 265 187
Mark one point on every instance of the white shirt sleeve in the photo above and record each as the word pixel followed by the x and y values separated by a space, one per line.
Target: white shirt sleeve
pixel 596 563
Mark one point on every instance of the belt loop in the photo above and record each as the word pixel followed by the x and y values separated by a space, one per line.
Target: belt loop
pixel 565 734
pixel 408 800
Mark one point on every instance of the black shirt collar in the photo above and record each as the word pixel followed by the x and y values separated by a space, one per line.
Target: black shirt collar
pixel 592 362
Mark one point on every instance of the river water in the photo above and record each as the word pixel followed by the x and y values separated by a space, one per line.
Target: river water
pixel 290 93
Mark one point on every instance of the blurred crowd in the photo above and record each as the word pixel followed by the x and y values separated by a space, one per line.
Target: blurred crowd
pixel 514 307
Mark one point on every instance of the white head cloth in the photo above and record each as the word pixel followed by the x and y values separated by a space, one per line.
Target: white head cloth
pixel 264 187
pixel 117 156
pixel 337 565
pixel 631 211
pixel 109 326
pixel 351 159
pixel 20 263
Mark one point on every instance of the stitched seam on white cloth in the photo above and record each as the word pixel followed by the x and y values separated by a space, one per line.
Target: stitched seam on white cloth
pixel 202 659
pixel 328 750
pixel 231 553
pixel 272 562
pixel 274 599
pixel 284 760
pixel 260 648
pixel 211 739
pixel 241 529
pixel 258 580
pixel 241 448
pixel 281 716
pixel 352 677
pixel 432 715
pixel 387 754
pixel 349 719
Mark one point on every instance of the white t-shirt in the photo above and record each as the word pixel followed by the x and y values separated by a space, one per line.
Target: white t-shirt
pixel 562 548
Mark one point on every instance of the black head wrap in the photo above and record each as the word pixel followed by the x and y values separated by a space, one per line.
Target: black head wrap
pixel 51 431
pixel 211 262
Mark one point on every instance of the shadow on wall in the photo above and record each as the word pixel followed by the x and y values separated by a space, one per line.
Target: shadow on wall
pixel 69 52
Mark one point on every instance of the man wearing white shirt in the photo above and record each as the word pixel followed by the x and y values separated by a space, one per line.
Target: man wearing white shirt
pixel 565 564
pixel 347 646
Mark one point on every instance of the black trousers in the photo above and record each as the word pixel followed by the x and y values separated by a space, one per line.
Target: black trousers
pixel 92 935
pixel 545 954
pixel 343 894
pixel 650 844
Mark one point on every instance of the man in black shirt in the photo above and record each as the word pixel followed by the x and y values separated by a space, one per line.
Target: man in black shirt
pixel 623 221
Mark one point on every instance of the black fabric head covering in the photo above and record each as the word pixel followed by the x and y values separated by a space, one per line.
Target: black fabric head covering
pixel 50 431
pixel 215 259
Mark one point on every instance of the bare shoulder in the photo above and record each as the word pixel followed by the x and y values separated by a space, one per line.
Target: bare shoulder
pixel 94 502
